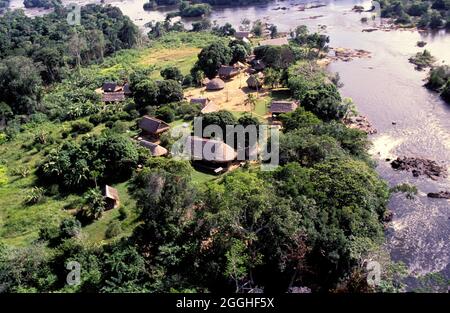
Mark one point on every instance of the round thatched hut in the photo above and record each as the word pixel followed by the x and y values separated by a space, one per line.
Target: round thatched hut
pixel 255 81
pixel 215 84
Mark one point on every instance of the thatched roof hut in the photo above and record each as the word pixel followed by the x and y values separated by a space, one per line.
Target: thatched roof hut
pixel 215 84
pixel 227 72
pixel 274 42
pixel 210 107
pixel 202 101
pixel 110 87
pixel 279 107
pixel 239 65
pixel 126 89
pixel 209 150
pixel 155 149
pixel 113 92
pixel 258 65
pixel 242 34
pixel 255 81
pixel 111 197
pixel 110 97
pixel 152 125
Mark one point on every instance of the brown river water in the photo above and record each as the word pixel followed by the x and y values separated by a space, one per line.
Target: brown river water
pixel 386 88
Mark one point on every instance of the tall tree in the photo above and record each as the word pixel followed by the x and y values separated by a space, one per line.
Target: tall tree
pixel 21 84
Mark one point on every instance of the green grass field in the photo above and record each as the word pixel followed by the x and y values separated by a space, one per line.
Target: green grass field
pixel 175 49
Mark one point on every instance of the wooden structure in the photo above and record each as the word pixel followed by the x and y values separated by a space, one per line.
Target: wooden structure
pixel 111 97
pixel 279 107
pixel 258 65
pixel 207 105
pixel 215 84
pixel 112 92
pixel 274 42
pixel 111 197
pixel 202 101
pixel 228 72
pixel 243 34
pixel 255 81
pixel 155 149
pixel 210 107
pixel 152 127
pixel 111 87
pixel 209 154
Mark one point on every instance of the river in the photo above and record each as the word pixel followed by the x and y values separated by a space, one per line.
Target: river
pixel 386 88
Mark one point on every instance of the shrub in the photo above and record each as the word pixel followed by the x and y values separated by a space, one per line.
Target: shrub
pixel 166 114
pixel 81 127
pixel 3 176
pixel 35 195
pixel 438 77
pixel 119 127
pixel 186 111
pixel 69 227
pixel 96 119
pixel 172 72
pixel 122 213
pixel 22 171
pixel 113 230
pixel 188 80
pixel 49 233
pixel 3 138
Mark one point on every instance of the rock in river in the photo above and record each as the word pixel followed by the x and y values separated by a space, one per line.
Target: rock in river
pixel 439 195
pixel 419 166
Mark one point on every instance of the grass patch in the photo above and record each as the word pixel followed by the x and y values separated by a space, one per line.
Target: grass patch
pixel 184 58
pixel 95 232
pixel 174 49
pixel 201 177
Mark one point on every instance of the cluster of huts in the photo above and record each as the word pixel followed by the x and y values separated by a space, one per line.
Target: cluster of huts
pixel 219 158
pixel 223 155
pixel 227 72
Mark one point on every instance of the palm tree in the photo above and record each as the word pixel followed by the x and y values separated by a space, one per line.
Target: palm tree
pixel 257 80
pixel 250 101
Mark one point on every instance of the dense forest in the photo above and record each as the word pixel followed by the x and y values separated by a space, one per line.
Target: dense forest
pixel 308 225
pixel 40 51
pixel 434 14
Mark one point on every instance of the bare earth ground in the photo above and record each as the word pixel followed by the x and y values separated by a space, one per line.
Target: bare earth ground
pixel 232 97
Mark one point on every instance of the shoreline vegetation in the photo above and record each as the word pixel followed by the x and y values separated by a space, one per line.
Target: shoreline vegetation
pixel 439 81
pixel 422 60
pixel 429 14
pixel 309 225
